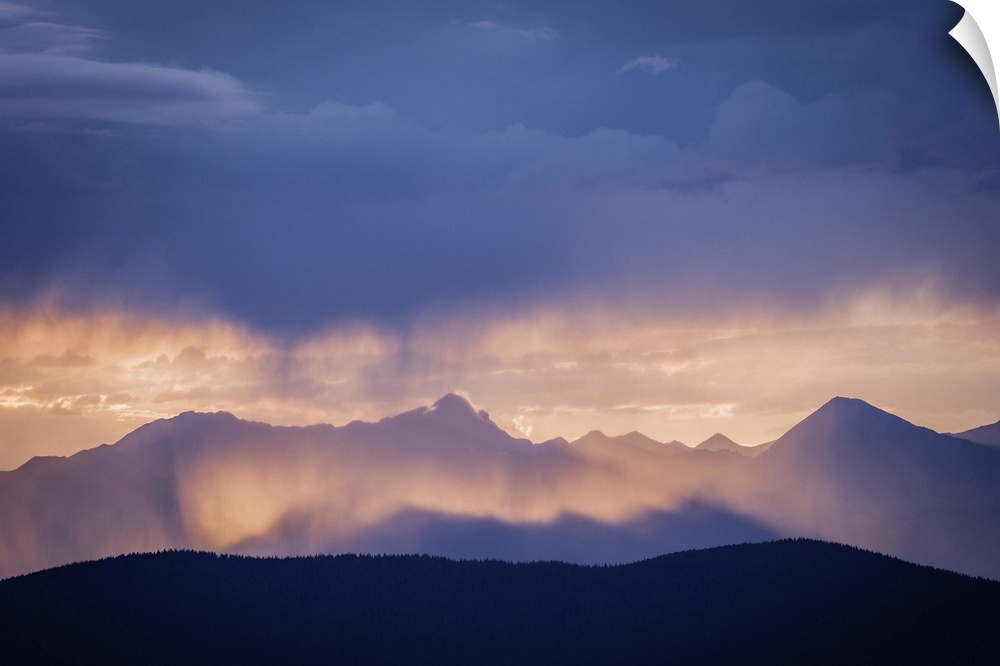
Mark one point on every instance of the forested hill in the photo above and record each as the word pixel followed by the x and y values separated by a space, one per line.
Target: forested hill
pixel 793 601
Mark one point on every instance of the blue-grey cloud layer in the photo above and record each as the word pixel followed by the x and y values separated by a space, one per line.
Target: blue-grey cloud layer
pixel 295 165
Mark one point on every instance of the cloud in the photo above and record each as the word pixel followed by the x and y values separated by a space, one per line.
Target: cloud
pixel 763 123
pixel 782 200
pixel 539 34
pixel 15 10
pixel 51 38
pixel 36 86
pixel 67 359
pixel 49 70
pixel 703 189
pixel 653 65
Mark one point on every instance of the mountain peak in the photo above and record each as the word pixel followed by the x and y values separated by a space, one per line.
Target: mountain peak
pixel 719 442
pixel 852 413
pixel 850 423
pixel 452 411
pixel 454 405
pixel 592 438
pixel 848 406
pixel 452 401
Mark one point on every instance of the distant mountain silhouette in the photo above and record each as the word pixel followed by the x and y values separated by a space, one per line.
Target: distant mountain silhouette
pixel 212 481
pixel 849 423
pixel 638 439
pixel 854 473
pixel 788 602
pixel 719 442
pixel 596 443
pixel 445 479
pixel 987 434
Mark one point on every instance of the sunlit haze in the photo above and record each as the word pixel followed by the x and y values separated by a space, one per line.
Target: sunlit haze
pixel 72 381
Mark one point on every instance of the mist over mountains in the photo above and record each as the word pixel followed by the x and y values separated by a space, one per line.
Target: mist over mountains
pixel 446 480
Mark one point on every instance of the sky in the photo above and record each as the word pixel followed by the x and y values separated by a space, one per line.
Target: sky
pixel 675 217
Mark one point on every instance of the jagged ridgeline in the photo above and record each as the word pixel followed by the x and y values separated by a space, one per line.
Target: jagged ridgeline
pixel 445 480
pixel 787 602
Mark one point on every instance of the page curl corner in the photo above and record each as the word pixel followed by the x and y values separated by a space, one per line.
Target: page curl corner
pixel 979 34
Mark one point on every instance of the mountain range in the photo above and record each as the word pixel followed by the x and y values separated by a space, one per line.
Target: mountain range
pixel 446 480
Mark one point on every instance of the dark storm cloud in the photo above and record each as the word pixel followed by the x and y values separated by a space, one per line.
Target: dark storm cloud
pixel 299 165
pixel 369 211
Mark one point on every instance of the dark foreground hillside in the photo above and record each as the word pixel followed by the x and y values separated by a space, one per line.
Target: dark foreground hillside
pixel 791 602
